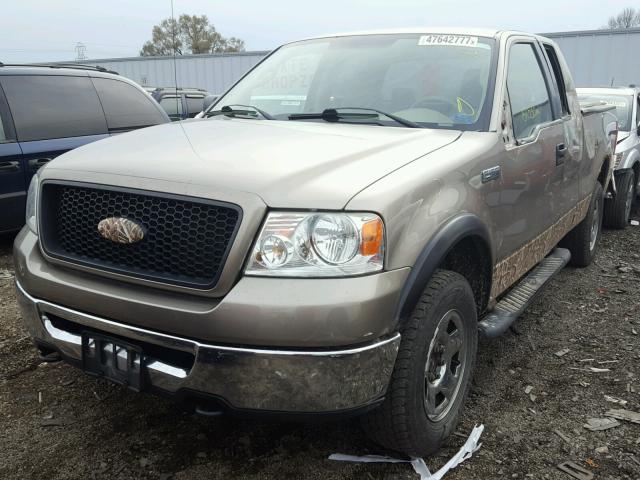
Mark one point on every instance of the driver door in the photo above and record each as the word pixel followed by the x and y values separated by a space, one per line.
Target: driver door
pixel 530 166
pixel 526 211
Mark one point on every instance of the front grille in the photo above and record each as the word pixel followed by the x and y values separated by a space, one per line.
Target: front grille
pixel 186 240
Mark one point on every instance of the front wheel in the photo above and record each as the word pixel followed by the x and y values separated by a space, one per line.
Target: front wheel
pixel 617 210
pixel 583 240
pixel 433 370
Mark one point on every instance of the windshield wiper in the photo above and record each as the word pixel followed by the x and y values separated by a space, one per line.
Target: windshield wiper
pixel 332 115
pixel 243 111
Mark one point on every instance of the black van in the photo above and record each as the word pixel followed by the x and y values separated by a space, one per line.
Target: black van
pixel 48 110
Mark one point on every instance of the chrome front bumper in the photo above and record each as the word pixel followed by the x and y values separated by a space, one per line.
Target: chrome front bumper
pixel 311 381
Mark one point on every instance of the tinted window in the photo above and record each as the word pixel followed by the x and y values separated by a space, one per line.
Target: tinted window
pixel 172 105
pixel 194 104
pixel 49 106
pixel 6 125
pixel 558 78
pixel 528 94
pixel 3 136
pixel 125 106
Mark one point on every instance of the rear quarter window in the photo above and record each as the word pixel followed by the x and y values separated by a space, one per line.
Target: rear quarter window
pixel 125 106
pixel 53 106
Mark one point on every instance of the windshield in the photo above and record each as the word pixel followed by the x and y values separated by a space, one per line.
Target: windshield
pixel 623 104
pixel 437 81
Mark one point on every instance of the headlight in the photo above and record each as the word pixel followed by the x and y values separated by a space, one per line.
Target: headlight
pixel 32 202
pixel 296 244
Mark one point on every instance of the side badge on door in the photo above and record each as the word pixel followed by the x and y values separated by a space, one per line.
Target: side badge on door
pixel 492 173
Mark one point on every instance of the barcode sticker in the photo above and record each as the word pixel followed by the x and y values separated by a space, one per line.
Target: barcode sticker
pixel 455 40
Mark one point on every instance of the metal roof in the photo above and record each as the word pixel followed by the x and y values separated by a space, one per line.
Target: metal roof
pixel 171 57
pixel 599 32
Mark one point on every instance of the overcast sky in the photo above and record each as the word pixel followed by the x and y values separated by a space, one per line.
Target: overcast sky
pixel 45 30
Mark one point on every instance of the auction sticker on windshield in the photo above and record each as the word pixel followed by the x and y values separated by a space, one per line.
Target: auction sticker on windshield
pixel 455 40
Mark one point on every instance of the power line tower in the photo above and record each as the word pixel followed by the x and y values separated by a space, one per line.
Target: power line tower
pixel 81 52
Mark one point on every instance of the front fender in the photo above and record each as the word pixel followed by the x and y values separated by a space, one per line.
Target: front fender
pixel 432 255
pixel 629 160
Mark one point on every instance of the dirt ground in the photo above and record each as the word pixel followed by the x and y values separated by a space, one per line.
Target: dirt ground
pixel 56 423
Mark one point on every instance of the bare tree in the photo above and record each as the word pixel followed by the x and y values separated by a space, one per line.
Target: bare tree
pixel 189 34
pixel 627 18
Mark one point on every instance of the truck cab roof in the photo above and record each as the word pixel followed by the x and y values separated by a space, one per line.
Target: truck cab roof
pixel 471 31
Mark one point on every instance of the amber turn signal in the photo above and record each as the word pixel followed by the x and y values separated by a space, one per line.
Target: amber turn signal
pixel 372 237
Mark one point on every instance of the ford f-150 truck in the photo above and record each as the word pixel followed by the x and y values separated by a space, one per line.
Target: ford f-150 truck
pixel 331 238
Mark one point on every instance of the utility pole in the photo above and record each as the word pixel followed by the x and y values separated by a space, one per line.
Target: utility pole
pixel 81 52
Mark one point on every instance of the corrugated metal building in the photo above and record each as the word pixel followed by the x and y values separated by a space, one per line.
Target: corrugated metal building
pixel 213 72
pixel 601 57
pixel 596 58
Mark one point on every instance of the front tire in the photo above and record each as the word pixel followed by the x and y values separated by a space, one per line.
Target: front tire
pixel 433 370
pixel 583 240
pixel 617 210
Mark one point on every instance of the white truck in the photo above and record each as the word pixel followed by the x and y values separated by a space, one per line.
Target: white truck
pixel 626 100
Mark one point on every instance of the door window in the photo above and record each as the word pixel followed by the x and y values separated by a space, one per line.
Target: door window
pixel 125 106
pixel 528 93
pixel 558 78
pixel 53 106
pixel 3 135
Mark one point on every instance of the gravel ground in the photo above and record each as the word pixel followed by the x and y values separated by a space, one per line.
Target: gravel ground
pixel 56 423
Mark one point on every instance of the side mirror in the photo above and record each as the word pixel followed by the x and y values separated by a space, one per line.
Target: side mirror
pixel 208 101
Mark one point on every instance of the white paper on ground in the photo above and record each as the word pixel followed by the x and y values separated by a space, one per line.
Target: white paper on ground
pixel 468 449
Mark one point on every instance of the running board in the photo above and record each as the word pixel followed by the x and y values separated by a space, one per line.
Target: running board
pixel 513 304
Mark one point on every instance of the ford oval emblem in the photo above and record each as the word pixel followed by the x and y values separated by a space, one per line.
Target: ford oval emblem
pixel 121 230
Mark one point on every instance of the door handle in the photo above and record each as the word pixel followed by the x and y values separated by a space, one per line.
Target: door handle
pixel 36 163
pixel 9 167
pixel 561 152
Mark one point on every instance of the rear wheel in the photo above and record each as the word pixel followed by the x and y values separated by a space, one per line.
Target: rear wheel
pixel 617 210
pixel 583 240
pixel 433 370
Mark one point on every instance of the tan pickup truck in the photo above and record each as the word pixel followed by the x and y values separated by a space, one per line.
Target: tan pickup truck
pixel 333 235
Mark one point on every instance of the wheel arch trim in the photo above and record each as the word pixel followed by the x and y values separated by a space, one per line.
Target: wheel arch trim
pixel 629 160
pixel 434 253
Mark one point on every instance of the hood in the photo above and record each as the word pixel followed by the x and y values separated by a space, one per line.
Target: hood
pixel 289 164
